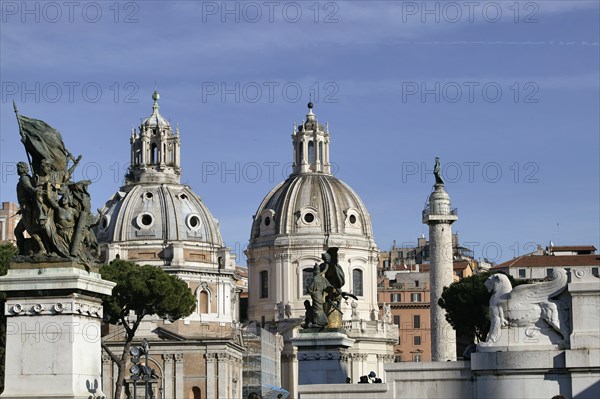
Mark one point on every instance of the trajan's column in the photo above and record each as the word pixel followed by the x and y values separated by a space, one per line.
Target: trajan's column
pixel 439 215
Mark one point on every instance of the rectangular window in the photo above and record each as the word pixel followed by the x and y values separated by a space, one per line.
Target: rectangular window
pixel 386 264
pixel 397 320
pixel 397 359
pixel 307 278
pixel 416 283
pixel 357 282
pixel 548 272
pixel 416 321
pixel 595 271
pixel 415 297
pixel 521 273
pixel 417 340
pixel 264 284
pixel 416 358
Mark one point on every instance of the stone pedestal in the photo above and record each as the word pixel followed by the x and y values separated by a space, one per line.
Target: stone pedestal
pixel 538 337
pixel 322 356
pixel 53 336
pixel 585 297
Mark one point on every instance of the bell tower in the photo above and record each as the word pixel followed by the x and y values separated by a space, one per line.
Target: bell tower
pixel 155 150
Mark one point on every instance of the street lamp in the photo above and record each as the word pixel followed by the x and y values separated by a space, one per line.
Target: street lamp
pixel 141 371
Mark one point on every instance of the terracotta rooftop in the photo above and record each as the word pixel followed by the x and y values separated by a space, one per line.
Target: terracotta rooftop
pixel 574 248
pixel 551 261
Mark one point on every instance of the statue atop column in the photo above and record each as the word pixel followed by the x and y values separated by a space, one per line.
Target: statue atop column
pixel 55 210
pixel 326 292
pixel 437 172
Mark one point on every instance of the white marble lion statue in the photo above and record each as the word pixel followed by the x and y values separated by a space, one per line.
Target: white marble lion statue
pixel 525 305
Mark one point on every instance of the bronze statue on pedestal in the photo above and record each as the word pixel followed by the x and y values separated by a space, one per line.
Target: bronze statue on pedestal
pixel 55 211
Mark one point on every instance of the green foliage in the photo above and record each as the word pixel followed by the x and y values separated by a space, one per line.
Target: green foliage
pixel 467 306
pixel 145 290
pixel 7 251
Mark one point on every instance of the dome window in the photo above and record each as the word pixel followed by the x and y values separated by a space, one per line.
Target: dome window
pixel 352 219
pixel 104 222
pixel 149 195
pixel 193 222
pixel 267 222
pixel 183 196
pixel 145 220
pixel 309 217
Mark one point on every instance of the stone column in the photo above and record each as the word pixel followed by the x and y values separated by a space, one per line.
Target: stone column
pixel 53 312
pixel 168 374
pixel 210 375
pixel 439 216
pixel 179 375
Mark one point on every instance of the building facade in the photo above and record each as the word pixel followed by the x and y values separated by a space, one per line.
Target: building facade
pixel 154 219
pixel 9 218
pixel 538 265
pixel 295 223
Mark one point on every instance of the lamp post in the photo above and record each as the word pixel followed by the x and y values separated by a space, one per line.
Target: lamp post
pixel 139 371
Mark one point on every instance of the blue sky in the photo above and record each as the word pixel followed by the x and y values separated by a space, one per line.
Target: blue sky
pixel 505 93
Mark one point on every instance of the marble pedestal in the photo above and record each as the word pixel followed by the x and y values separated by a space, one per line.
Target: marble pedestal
pixel 53 336
pixel 322 356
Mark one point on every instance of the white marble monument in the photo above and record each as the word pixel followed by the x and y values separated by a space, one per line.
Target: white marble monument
pixel 53 313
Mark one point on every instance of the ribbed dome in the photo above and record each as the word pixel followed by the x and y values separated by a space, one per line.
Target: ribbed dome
pixel 169 212
pixel 155 119
pixel 312 203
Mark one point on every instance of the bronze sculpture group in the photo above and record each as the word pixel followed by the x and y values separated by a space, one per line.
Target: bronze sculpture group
pixel 55 210
pixel 326 293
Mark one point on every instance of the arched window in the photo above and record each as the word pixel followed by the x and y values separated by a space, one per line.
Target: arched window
pixel 204 302
pixel 153 153
pixel 311 152
pixel 196 393
pixel 300 152
pixel 321 151
pixel 307 278
pixel 357 282
pixel 264 284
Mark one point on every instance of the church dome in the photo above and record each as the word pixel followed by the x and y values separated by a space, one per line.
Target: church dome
pixel 153 218
pixel 312 203
pixel 166 212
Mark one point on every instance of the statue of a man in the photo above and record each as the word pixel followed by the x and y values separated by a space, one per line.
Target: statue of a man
pixel 26 195
pixel 318 291
pixel 387 313
pixel 437 172
pixel 280 310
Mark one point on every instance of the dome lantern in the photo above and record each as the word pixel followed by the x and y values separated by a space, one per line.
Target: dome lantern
pixel 311 146
pixel 155 151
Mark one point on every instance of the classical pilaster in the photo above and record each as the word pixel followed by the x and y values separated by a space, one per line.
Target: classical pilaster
pixel 178 375
pixel 223 370
pixel 210 375
pixel 106 373
pixel 168 374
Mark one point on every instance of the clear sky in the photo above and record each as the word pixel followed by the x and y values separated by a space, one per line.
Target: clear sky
pixel 505 93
